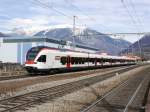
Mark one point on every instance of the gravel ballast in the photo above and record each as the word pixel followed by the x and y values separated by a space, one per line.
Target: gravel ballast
pixel 16 87
pixel 75 101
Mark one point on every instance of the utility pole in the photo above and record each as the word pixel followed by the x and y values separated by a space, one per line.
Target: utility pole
pixel 74 28
pixel 1 41
pixel 132 49
pixel 140 47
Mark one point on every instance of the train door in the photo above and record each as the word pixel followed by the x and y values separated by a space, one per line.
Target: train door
pixel 101 62
pixel 95 61
pixel 88 59
pixel 68 61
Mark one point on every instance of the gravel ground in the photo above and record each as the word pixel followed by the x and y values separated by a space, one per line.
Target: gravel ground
pixel 21 86
pixel 147 106
pixel 10 69
pixel 75 101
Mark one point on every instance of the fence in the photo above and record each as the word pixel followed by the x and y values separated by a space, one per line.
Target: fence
pixel 11 68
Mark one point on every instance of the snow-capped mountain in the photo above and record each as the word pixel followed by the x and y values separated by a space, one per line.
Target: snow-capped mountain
pixel 140 47
pixel 87 37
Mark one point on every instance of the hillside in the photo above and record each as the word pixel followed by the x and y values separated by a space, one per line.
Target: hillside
pixel 144 43
pixel 87 37
pixel 3 35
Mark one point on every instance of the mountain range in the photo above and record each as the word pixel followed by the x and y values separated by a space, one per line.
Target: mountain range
pixel 3 35
pixel 87 37
pixel 140 47
pixel 83 36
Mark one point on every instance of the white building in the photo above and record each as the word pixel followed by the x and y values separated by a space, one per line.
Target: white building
pixel 14 49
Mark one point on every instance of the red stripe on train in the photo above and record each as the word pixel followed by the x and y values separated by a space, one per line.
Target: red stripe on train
pixel 29 62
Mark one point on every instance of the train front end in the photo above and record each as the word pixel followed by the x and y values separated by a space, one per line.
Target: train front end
pixel 35 60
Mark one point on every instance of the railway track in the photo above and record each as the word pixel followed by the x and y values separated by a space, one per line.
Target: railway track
pixel 23 101
pixel 127 97
pixel 4 78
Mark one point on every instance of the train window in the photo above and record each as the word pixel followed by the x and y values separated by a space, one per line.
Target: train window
pixel 76 60
pixel 92 60
pixel 72 60
pixel 105 60
pixel 42 58
pixel 83 60
pixel 86 59
pixel 63 60
pixel 98 60
pixel 79 60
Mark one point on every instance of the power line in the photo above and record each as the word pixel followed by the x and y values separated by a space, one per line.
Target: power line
pixel 43 5
pixel 130 15
pixel 52 8
pixel 140 24
pixel 90 18
pixel 136 14
pixel 117 34
pixel 134 23
pixel 81 11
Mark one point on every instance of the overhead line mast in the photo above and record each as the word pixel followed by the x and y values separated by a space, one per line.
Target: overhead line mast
pixel 74 31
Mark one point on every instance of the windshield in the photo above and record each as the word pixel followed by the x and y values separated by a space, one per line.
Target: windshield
pixel 32 53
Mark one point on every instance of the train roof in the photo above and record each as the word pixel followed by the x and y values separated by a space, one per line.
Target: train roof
pixel 59 49
pixel 91 54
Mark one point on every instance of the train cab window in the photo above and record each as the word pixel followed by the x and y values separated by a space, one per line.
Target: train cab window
pixel 31 56
pixel 63 60
pixel 42 58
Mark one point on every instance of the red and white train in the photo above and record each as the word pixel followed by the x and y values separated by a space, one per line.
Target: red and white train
pixel 43 59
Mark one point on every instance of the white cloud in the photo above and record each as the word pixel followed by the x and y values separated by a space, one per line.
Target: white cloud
pixel 105 16
pixel 33 25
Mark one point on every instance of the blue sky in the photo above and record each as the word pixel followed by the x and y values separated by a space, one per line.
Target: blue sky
pixel 106 16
